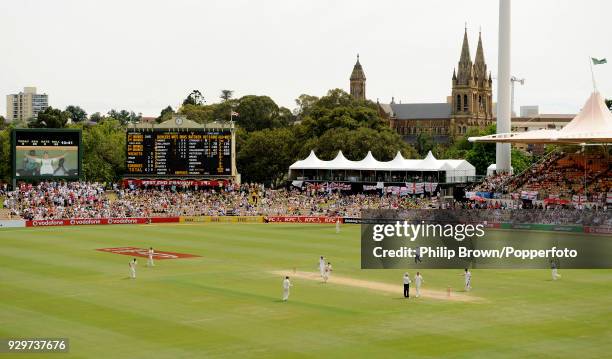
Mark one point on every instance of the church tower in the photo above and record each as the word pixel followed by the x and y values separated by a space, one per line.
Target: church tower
pixel 472 105
pixel 358 80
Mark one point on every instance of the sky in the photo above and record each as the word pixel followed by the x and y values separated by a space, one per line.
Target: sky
pixel 145 55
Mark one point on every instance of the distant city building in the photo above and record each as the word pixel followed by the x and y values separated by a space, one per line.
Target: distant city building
pixel 538 121
pixel 25 105
pixel 469 105
pixel 529 111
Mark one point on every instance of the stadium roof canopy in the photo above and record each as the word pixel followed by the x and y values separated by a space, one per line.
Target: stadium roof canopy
pixel 592 125
pixel 399 163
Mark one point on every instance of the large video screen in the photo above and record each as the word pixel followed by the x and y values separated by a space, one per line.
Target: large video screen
pixel 179 153
pixel 40 153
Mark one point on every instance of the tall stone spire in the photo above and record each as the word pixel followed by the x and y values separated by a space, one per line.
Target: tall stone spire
pixel 480 67
pixel 464 72
pixel 357 81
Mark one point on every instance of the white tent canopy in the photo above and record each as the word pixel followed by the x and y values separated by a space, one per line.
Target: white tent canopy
pixel 456 170
pixel 592 125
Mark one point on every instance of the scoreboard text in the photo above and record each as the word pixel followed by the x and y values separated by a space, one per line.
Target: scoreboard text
pixel 179 153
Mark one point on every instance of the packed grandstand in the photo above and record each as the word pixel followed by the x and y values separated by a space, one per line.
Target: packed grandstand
pixel 563 190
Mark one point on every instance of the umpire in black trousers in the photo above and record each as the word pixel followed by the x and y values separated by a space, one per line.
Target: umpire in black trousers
pixel 407 282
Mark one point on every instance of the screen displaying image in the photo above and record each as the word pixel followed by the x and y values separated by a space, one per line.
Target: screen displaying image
pixel 46 153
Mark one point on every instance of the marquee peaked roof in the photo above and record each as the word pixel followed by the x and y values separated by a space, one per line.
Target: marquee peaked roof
pixel 341 163
pixel 310 162
pixel 369 163
pixel 593 124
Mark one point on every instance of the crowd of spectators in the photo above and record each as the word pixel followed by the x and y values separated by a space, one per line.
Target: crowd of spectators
pixel 59 200
pixel 560 175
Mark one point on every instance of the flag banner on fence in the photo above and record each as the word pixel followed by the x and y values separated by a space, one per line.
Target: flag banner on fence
pixel 380 185
pixel 530 195
pixel 609 198
pixel 369 188
pixel 403 191
pixel 579 198
pixel 553 196
pixel 430 187
pixel 419 188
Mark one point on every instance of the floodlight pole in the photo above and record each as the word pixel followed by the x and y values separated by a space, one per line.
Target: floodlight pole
pixel 513 80
pixel 502 151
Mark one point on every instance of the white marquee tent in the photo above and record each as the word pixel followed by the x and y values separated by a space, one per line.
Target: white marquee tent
pixel 592 125
pixel 455 170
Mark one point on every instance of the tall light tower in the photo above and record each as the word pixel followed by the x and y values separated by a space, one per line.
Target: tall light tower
pixel 514 80
pixel 502 153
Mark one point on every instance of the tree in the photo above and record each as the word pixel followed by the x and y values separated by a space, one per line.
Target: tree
pixel 355 144
pixel 424 143
pixel 257 113
pixel 226 95
pixel 76 113
pixel 305 103
pixel 194 98
pixel 5 154
pixel 50 118
pixel 266 155
pixel 124 117
pixel 609 103
pixel 520 160
pixel 104 151
pixel 165 114
pixel 96 117
pixel 198 113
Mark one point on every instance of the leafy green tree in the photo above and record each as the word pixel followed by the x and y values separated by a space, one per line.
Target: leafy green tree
pixel 520 160
pixel 355 144
pixel 124 117
pixel 424 143
pixel 194 98
pixel 226 95
pixel 104 151
pixel 481 155
pixel 96 117
pixel 258 113
pixel 265 156
pixel 5 154
pixel 609 103
pixel 50 118
pixel 199 113
pixel 305 103
pixel 166 114
pixel 76 114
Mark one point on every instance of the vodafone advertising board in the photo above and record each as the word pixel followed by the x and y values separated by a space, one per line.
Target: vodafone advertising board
pixel 97 221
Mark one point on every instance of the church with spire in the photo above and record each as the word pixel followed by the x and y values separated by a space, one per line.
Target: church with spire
pixel 469 105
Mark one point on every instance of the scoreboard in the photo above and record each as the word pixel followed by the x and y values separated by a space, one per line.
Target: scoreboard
pixel 179 153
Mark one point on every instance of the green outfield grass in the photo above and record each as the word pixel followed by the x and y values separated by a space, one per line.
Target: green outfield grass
pixel 226 304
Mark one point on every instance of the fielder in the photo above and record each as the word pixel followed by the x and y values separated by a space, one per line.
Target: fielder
pixel 553 267
pixel 132 265
pixel 322 266
pixel 468 280
pixel 407 282
pixel 150 260
pixel 328 270
pixel 418 281
pixel 286 285
pixel 338 225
